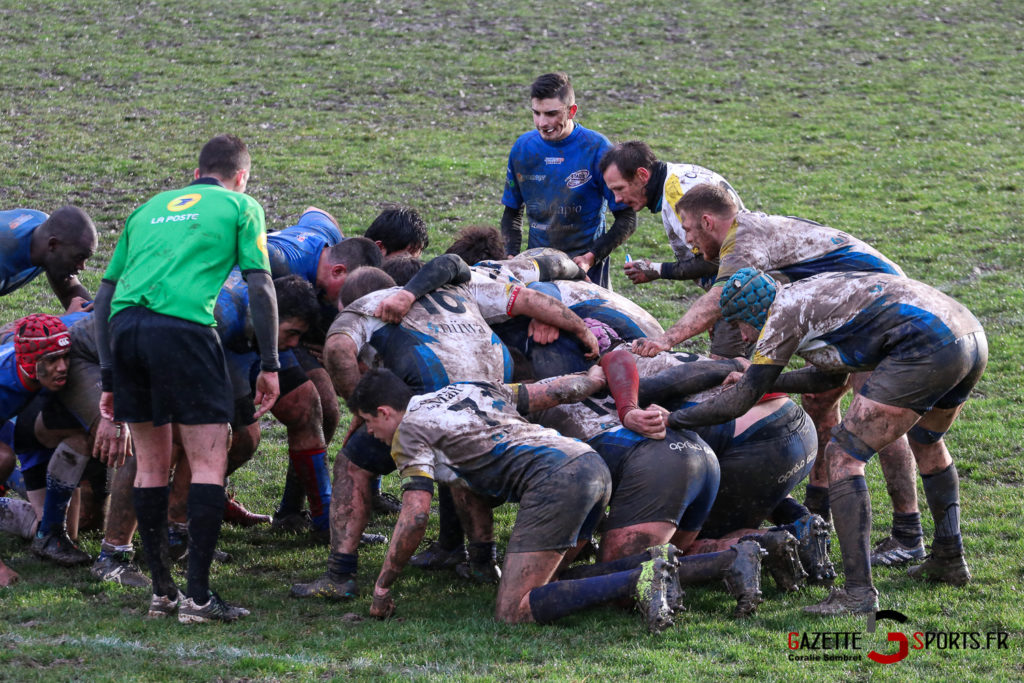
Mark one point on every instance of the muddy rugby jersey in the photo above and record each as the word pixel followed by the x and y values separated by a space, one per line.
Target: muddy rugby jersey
pixel 472 432
pixel 178 248
pixel 588 300
pixel 849 322
pixel 791 249
pixel 678 180
pixel 444 337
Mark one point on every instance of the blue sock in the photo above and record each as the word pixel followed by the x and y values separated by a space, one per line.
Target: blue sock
pixel 561 598
pixel 55 507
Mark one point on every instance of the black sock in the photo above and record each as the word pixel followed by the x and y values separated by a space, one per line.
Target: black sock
pixel 694 569
pixel 851 515
pixel 942 490
pixel 788 511
pixel 450 534
pixel 291 497
pixel 906 528
pixel 341 566
pixel 205 514
pixel 817 500
pixel 584 571
pixel 484 552
pixel 151 512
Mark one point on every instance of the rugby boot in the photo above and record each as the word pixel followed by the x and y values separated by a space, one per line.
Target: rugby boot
pixel 292 522
pixel 373 539
pixel 58 547
pixel 329 586
pixel 215 609
pixel 891 553
pixel 783 560
pixel 657 581
pixel 436 557
pixel 743 577
pixel 118 568
pixel 482 565
pixel 385 504
pixel 859 600
pixel 951 569
pixel 235 513
pixel 161 606
pixel 813 544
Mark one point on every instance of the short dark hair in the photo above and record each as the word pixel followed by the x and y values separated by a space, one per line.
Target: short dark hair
pixel 401 268
pixel 555 84
pixel 361 282
pixel 296 298
pixel 629 157
pixel 354 252
pixel 223 155
pixel 69 224
pixel 379 387
pixel 476 243
pixel 398 228
pixel 707 198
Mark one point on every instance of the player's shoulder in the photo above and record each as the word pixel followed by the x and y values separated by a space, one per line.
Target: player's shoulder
pixel 22 220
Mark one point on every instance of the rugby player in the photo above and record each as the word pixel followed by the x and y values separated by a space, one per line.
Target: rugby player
pixel 164 370
pixel 472 435
pixel 398 230
pixel 36 360
pixel 553 173
pixel 925 352
pixel 59 245
pixel 444 338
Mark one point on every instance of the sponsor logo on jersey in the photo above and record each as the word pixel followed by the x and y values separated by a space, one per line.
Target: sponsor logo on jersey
pixel 577 178
pixel 185 201
pixel 19 220
pixel 534 177
pixel 553 160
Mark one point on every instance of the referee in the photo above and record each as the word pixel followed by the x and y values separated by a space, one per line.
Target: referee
pixel 162 365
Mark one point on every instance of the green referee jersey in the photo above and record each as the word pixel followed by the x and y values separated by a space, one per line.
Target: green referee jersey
pixel 178 248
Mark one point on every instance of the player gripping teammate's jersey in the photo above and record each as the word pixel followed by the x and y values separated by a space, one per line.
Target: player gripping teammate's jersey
pixel 16 227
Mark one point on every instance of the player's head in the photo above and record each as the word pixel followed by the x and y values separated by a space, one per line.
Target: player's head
pixel 401 268
pixel 226 158
pixel 553 103
pixel 706 212
pixel 399 229
pixel 338 261
pixel 380 398
pixel 363 281
pixel 746 298
pixel 626 168
pixel 297 309
pixel 68 238
pixel 476 243
pixel 41 346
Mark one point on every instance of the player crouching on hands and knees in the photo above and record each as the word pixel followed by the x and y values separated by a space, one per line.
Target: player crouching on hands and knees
pixel 473 435
pixel 926 352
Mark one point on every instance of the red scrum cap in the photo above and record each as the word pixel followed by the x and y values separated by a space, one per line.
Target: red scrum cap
pixel 36 336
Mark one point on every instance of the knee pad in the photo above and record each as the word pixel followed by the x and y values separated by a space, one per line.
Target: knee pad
pixel 851 443
pixel 924 436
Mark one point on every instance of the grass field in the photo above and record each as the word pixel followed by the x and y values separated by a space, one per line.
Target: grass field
pixel 897 121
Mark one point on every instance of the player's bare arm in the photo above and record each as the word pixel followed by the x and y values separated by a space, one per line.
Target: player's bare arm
pixel 341 363
pixel 564 389
pixel 701 316
pixel 550 310
pixel 409 530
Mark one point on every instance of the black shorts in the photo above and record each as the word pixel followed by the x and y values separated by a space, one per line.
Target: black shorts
pixel 943 379
pixel 244 368
pixel 760 468
pixel 671 480
pixel 81 395
pixel 306 359
pixel 168 370
pixel 369 452
pixel 563 508
pixel 727 342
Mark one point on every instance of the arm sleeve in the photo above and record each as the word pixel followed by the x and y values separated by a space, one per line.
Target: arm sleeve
pixel 685 379
pixel 623 380
pixel 808 380
pixel 731 403
pixel 623 226
pixel 552 267
pixel 101 313
pixel 688 269
pixel 263 303
pixel 446 269
pixel 512 229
